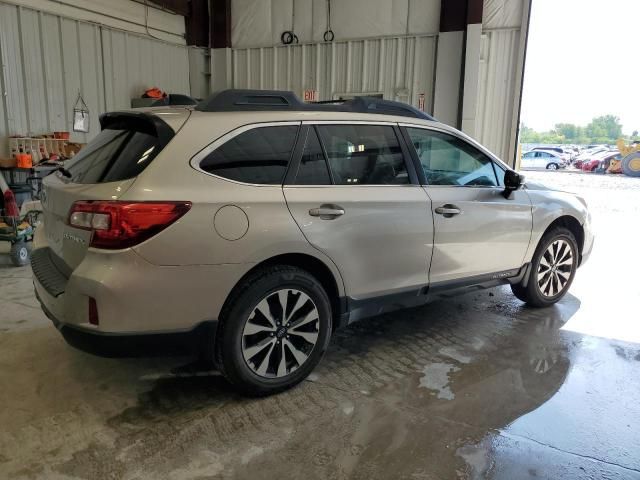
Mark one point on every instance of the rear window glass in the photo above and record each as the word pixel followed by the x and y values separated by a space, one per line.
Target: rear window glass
pixel 313 167
pixel 364 154
pixel 259 155
pixel 114 155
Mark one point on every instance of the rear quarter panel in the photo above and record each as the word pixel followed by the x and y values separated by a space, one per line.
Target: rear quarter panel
pixel 196 239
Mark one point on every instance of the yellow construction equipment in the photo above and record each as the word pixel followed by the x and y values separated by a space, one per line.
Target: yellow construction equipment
pixel 630 163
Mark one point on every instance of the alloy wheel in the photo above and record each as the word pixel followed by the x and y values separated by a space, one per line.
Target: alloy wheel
pixel 555 268
pixel 280 333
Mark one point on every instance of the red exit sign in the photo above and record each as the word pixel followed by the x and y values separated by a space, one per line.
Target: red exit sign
pixel 310 95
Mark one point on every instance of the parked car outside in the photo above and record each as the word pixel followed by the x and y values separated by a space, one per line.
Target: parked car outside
pixel 569 152
pixel 605 163
pixel 590 165
pixel 560 151
pixel 252 227
pixel 589 153
pixel 542 159
pixel 578 163
pixel 599 160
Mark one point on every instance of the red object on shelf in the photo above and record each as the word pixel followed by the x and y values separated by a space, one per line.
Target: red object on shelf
pixel 61 135
pixel 24 160
pixel 10 204
pixel 154 92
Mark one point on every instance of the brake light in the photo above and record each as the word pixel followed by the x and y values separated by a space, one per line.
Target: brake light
pixel 117 224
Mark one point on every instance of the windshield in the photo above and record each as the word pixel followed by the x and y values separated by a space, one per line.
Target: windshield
pixel 113 155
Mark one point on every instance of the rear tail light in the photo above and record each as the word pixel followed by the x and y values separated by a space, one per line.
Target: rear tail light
pixel 116 225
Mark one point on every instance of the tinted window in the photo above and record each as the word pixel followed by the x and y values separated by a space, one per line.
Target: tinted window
pixel 448 160
pixel 313 166
pixel 259 155
pixel 113 155
pixel 364 154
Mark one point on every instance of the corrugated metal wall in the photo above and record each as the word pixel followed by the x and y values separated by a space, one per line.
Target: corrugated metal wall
pixel 133 63
pixel 47 59
pixel 497 87
pixel 400 68
pixel 260 23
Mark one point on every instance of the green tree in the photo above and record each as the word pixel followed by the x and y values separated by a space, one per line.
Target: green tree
pixel 552 137
pixel 528 135
pixel 606 127
pixel 568 131
pixel 603 129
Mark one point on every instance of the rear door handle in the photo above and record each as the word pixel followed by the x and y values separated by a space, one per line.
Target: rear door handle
pixel 448 210
pixel 327 212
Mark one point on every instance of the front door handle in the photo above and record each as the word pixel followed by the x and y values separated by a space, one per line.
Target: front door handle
pixel 448 210
pixel 327 212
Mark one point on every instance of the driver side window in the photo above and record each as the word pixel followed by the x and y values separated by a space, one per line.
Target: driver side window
pixel 448 160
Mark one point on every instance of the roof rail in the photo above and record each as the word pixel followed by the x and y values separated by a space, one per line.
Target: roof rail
pixel 276 100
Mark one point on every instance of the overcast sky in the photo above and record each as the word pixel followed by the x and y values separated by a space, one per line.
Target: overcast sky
pixel 583 60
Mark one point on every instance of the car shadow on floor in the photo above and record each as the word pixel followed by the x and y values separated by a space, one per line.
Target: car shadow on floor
pixel 478 340
pixel 444 363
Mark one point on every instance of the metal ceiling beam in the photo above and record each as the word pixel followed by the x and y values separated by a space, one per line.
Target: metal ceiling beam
pixel 197 23
pixel 220 23
pixel 181 7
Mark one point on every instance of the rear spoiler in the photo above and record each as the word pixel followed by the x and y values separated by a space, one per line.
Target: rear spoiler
pixel 140 122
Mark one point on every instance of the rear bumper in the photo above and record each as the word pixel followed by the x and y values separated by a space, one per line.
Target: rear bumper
pixel 132 296
pixel 197 341
pixel 143 309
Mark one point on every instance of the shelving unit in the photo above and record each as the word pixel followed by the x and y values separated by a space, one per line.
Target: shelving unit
pixel 33 145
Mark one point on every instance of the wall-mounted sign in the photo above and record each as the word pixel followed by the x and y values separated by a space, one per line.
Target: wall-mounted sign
pixel 80 115
pixel 310 95
pixel 421 101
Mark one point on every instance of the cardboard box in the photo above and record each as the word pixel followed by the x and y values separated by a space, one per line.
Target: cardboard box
pixel 7 162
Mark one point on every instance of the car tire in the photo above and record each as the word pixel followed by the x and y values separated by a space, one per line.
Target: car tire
pixel 20 253
pixel 268 340
pixel 560 275
pixel 552 166
pixel 631 165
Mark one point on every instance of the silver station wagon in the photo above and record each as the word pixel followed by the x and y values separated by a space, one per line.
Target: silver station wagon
pixel 249 228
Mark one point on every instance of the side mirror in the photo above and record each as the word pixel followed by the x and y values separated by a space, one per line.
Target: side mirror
pixel 512 182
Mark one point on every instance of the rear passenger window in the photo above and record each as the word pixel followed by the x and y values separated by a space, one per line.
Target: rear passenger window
pixel 259 155
pixel 313 166
pixel 364 155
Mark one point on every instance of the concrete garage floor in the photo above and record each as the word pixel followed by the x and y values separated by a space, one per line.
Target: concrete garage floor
pixel 471 387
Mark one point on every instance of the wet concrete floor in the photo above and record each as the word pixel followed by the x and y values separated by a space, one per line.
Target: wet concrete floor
pixel 476 386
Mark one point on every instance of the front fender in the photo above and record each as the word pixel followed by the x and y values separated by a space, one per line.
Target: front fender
pixel 550 205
